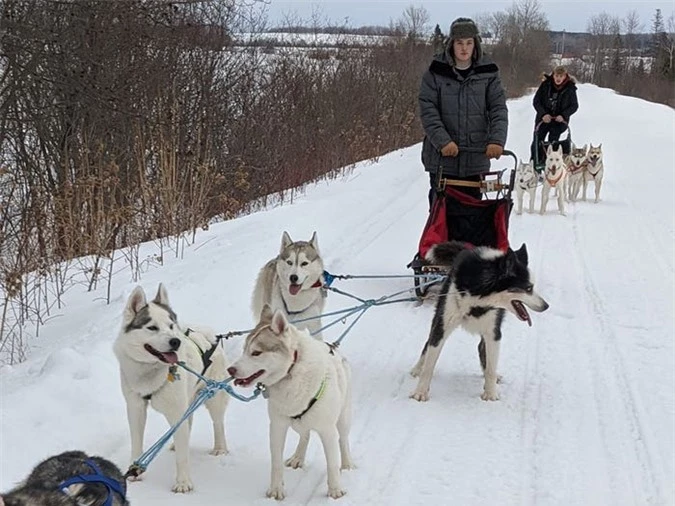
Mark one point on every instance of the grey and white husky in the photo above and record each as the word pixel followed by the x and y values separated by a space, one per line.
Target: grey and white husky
pixel 576 171
pixel 292 282
pixel 70 479
pixel 595 171
pixel 526 182
pixel 309 389
pixel 148 347
pixel 481 286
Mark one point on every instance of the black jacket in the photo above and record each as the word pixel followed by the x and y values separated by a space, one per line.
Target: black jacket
pixel 549 100
pixel 470 111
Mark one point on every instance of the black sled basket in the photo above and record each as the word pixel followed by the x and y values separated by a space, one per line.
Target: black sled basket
pixel 539 160
pixel 454 215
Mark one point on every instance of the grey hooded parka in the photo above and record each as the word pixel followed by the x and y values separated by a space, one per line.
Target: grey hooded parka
pixel 471 112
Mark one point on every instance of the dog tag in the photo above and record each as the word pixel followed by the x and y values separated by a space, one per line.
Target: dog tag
pixel 173 374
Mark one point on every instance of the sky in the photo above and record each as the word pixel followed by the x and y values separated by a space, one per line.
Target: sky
pixel 570 15
pixel 587 405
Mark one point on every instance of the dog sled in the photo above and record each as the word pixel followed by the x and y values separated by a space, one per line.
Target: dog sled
pixel 454 215
pixel 539 160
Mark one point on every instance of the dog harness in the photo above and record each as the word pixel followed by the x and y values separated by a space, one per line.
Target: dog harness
pixel 553 182
pixel 317 284
pixel 317 396
pixel 113 486
pixel 573 169
pixel 592 164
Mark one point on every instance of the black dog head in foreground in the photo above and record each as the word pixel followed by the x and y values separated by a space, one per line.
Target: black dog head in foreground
pixel 70 479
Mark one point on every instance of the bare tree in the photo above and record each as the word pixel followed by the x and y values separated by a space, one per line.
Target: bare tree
pixel 631 26
pixel 414 22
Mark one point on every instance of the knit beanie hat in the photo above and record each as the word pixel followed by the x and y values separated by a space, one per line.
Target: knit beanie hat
pixel 465 28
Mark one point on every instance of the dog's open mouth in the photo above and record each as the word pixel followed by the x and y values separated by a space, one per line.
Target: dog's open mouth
pixel 294 289
pixel 168 357
pixel 521 312
pixel 244 382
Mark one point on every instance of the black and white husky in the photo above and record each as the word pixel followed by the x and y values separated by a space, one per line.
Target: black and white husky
pixel 482 284
pixel 150 344
pixel 71 478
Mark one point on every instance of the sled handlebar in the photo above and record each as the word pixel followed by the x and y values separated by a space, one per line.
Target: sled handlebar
pixel 506 152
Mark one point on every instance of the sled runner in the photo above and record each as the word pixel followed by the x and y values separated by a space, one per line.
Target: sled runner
pixel 539 160
pixel 457 216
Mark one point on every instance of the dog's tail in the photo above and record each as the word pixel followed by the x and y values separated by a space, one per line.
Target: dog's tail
pixel 445 253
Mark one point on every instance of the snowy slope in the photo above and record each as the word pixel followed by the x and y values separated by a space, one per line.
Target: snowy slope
pixel 587 411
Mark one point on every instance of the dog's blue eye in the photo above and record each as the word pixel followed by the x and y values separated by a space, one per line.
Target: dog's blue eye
pixel 256 353
pixel 289 262
pixel 154 328
pixel 171 327
pixel 303 264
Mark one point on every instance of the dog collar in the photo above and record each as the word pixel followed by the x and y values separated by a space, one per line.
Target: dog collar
pixel 113 486
pixel 317 396
pixel 574 169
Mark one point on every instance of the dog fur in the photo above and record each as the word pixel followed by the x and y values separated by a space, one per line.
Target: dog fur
pixel 526 182
pixel 309 389
pixel 43 487
pixel 595 171
pixel 554 177
pixel 482 284
pixel 292 282
pixel 576 164
pixel 149 343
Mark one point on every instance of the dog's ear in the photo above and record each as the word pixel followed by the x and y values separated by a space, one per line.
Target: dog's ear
pixel 314 242
pixel 135 303
pixel 585 148
pixel 279 322
pixel 162 296
pixel 266 314
pixel 560 149
pixel 549 150
pixel 521 254
pixel 286 241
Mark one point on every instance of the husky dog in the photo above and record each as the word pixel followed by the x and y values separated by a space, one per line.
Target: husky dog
pixel 309 388
pixel 292 282
pixel 70 479
pixel 148 347
pixel 576 170
pixel 482 284
pixel 594 171
pixel 554 177
pixel 526 181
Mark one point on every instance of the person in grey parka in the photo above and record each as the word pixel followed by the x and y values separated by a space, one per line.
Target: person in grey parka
pixel 462 103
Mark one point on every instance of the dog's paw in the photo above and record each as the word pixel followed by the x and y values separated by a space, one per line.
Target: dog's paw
pixel 490 395
pixel 294 462
pixel 420 396
pixel 336 492
pixel 519 212
pixel 218 451
pixel 182 486
pixel 172 447
pixel 276 492
pixel 136 478
pixel 348 466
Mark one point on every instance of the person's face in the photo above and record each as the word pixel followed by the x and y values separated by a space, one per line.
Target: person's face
pixel 559 78
pixel 463 49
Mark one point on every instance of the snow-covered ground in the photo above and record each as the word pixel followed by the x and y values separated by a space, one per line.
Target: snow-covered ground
pixel 587 411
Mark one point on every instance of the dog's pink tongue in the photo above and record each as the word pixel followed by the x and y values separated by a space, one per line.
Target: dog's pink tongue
pixel 294 289
pixel 170 357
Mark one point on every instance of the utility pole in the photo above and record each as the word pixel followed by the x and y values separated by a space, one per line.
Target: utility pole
pixel 562 53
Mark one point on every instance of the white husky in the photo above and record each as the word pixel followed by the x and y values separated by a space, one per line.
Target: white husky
pixel 576 171
pixel 309 388
pixel 526 182
pixel 594 171
pixel 148 346
pixel 554 177
pixel 292 282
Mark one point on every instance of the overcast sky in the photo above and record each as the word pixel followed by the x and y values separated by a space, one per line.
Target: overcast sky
pixel 570 15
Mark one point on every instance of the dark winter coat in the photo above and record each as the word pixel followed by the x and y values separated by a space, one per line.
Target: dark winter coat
pixel 471 112
pixel 549 100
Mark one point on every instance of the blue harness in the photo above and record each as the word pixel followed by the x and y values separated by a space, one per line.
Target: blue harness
pixel 113 486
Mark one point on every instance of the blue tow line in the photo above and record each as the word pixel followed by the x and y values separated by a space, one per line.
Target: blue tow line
pixel 211 386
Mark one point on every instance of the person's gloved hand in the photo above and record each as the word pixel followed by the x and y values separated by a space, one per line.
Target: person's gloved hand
pixel 494 151
pixel 547 118
pixel 559 118
pixel 450 149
